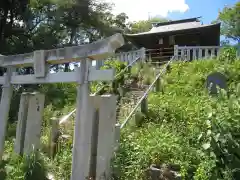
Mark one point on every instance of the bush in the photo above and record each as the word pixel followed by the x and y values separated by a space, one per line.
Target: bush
pixel 187 127
pixel 228 54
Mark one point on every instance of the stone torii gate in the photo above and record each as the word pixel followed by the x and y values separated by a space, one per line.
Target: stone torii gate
pixel 86 105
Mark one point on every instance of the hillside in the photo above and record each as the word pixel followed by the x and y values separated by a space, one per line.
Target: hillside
pixel 186 127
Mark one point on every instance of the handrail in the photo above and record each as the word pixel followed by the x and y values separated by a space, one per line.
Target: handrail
pixel 65 117
pixel 146 93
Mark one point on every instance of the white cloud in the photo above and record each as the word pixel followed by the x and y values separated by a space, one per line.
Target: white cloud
pixel 141 9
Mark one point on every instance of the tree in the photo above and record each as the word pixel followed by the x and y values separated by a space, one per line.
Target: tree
pixel 230 21
pixel 144 25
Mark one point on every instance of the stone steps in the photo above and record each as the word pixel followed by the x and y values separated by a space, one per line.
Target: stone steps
pixel 128 102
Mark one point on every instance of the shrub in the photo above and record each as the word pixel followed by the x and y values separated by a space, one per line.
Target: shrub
pixel 188 127
pixel 228 54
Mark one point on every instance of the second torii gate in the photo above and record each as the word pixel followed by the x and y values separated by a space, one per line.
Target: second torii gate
pixel 83 74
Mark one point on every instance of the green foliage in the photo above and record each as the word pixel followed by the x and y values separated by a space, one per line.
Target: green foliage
pixel 230 19
pixel 26 168
pixel 59 94
pixel 186 126
pixel 120 71
pixel 144 25
pixel 228 54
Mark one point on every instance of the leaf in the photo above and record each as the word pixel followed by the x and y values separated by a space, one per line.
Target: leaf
pixel 209 132
pixel 206 145
pixel 210 114
pixel 216 137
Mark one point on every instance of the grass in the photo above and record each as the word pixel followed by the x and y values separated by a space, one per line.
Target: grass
pixel 186 126
pixel 62 101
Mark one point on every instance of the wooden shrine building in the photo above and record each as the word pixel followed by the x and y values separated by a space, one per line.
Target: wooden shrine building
pixel 160 40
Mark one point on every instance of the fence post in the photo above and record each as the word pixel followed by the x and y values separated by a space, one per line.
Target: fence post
pixel 143 54
pixel 176 51
pixel 117 136
pixel 144 106
pixel 158 83
pixel 53 138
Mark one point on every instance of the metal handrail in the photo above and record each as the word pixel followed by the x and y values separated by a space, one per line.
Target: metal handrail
pixel 146 93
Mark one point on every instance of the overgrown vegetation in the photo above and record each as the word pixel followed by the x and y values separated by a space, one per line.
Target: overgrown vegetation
pixel 188 127
pixel 40 166
pixel 184 125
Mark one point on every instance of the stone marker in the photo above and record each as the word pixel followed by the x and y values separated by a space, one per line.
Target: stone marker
pixel 34 122
pixel 214 80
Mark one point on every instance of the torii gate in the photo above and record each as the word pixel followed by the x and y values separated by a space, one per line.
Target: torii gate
pixel 85 104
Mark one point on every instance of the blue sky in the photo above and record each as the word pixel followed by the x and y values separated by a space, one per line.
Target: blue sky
pixel 208 9
pixel 172 9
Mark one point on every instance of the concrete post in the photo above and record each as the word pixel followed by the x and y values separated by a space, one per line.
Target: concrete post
pixel 34 123
pixel 83 126
pixel 106 135
pixel 22 123
pixel 7 92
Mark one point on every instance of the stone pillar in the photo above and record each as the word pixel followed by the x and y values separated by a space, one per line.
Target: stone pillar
pixel 22 123
pixel 7 92
pixel 106 135
pixel 83 126
pixel 34 122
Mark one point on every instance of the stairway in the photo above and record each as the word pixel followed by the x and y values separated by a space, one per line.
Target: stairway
pixel 130 99
pixel 128 102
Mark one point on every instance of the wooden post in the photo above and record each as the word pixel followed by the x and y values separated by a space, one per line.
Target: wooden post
pixel 143 54
pixel 22 123
pixel 158 83
pixel 182 54
pixel 212 53
pixel 188 55
pixel 200 53
pixel 83 126
pixel 34 122
pixel 176 51
pixel 106 135
pixel 53 138
pixel 144 106
pixel 194 53
pixel 7 91
pixel 117 136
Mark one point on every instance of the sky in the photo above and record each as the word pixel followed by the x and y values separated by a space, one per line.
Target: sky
pixel 171 9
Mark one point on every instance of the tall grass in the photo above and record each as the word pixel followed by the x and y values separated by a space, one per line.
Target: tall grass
pixel 186 126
